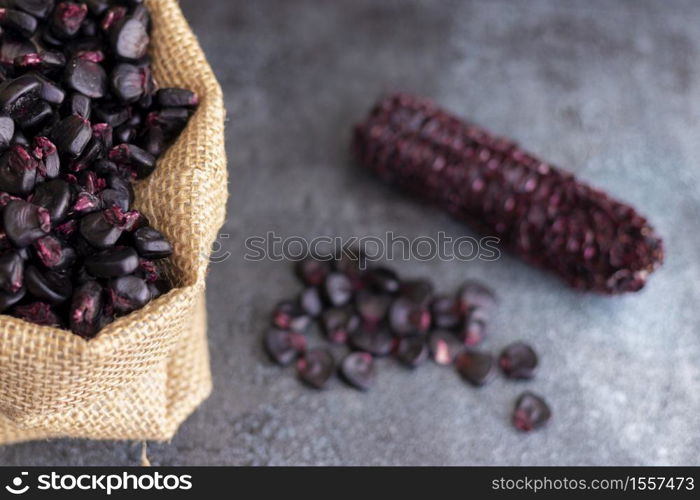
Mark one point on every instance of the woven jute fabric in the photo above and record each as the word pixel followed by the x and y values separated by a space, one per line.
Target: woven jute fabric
pixel 142 375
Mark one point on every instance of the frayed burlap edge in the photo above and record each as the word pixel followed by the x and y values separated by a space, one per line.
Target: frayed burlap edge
pixel 146 372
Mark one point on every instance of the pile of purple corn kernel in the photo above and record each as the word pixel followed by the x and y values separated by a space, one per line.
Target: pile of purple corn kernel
pixel 81 118
pixel 377 314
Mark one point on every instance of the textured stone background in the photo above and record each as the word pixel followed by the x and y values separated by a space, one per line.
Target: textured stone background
pixel 609 89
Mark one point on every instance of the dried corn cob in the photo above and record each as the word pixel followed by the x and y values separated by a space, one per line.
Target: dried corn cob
pixel 539 211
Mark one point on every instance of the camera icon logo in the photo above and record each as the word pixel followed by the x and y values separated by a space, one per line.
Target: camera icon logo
pixel 16 488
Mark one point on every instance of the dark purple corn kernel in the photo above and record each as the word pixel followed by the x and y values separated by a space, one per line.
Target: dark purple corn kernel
pixel 412 351
pixel 444 347
pixel 129 38
pixel 372 308
pixel 476 295
pixel 71 135
pixel 45 151
pixel 111 114
pixel 79 104
pixel 67 19
pixel 68 228
pixel 25 222
pixel 134 157
pixel 5 243
pixel 540 212
pixel 12 47
pixel 7 300
pixel 42 61
pixel 409 318
pixel 337 289
pixel 87 77
pixel 106 168
pixel 19 139
pixel 148 270
pixel 92 152
pixel 472 333
pixel 112 262
pixel 446 312
pixel 23 252
pixel 112 16
pixel 38 116
pixel 171 120
pixel 91 182
pixel 531 412
pixel 37 8
pixel 124 133
pixel 85 203
pixel 49 91
pixel 353 266
pixel 6 198
pixel 86 308
pixel 98 7
pixel 158 288
pixel 418 291
pixel 140 13
pixel 49 250
pixel 106 318
pixel 311 302
pixel 477 368
pixel 11 272
pixel 518 361
pixel 49 286
pixel 81 276
pixel 126 221
pixel 153 140
pixel 288 315
pixel 473 329
pixel 127 294
pixel 129 82
pixel 146 101
pixel 18 171
pixel 53 253
pixel 379 342
pixel 20 22
pixel 284 346
pixel 104 133
pixel 7 131
pixel 357 369
pixel 37 312
pixel 176 98
pixel 112 197
pixel 98 231
pixel 313 271
pixel 383 280
pixel 47 38
pixel 338 323
pixel 315 368
pixel 115 181
pixel 33 116
pixel 151 244
pixel 94 55
pixel 18 93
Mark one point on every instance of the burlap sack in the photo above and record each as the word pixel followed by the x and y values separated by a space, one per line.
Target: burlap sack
pixel 146 372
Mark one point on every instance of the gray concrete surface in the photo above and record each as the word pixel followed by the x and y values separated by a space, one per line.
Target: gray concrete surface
pixel 610 89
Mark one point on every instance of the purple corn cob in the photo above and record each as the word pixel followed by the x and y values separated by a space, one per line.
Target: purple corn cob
pixel 538 211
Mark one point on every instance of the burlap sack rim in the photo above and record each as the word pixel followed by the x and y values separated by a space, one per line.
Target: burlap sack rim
pixel 106 338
